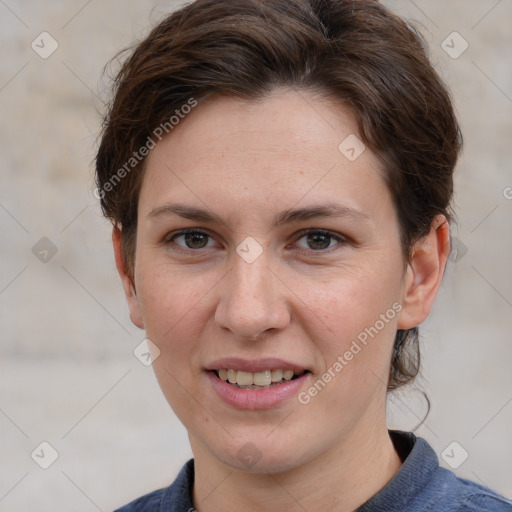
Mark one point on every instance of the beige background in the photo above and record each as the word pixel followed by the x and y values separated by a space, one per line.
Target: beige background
pixel 68 374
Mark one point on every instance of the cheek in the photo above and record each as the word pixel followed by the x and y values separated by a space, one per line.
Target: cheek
pixel 174 310
pixel 353 328
pixel 348 302
pixel 353 323
pixel 170 302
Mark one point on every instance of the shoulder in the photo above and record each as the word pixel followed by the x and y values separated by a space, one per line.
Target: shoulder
pixel 469 496
pixel 422 485
pixel 176 497
pixel 148 503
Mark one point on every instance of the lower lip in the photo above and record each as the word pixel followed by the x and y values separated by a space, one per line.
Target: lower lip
pixel 255 398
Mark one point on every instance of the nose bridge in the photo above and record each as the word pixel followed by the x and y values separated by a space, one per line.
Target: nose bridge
pixel 252 280
pixel 250 303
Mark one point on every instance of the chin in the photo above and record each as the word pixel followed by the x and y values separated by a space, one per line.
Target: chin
pixel 259 455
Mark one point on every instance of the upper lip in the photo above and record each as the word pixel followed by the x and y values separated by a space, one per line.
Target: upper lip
pixel 255 365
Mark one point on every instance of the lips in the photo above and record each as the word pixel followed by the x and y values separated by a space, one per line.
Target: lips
pixel 258 384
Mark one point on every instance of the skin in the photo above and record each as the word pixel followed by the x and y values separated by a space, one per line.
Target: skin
pixel 247 161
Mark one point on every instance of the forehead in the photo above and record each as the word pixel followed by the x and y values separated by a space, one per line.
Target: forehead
pixel 289 147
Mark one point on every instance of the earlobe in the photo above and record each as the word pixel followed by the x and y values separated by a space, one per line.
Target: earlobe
pixel 424 274
pixel 126 279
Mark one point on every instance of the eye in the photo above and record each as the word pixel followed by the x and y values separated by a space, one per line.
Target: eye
pixel 318 240
pixel 192 239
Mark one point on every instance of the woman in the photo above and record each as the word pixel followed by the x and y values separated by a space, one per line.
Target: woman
pixel 279 177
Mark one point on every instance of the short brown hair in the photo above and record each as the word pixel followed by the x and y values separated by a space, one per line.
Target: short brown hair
pixel 354 51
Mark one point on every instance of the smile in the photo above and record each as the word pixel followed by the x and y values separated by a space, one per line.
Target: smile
pixel 256 380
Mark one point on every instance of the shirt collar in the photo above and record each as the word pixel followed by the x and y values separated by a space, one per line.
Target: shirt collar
pixel 419 463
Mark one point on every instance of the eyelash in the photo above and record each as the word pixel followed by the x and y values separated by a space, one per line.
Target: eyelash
pixel 340 239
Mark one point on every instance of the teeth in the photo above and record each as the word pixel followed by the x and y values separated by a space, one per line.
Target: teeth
pixel 277 375
pixel 263 379
pixel 244 378
pixel 288 374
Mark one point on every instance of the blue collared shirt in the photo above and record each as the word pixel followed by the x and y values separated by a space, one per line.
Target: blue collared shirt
pixel 420 485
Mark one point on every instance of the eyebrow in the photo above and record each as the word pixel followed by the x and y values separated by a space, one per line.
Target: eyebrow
pixel 284 217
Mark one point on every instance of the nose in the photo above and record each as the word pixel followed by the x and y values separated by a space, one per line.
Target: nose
pixel 252 300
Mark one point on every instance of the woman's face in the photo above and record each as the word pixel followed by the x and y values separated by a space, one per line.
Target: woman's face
pixel 291 261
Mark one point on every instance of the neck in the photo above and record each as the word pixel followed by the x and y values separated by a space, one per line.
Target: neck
pixel 340 479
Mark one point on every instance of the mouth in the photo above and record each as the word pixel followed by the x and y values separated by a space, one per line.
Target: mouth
pixel 257 380
pixel 256 384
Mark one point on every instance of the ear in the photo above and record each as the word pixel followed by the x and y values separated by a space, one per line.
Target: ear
pixel 424 274
pixel 127 279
